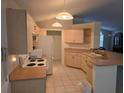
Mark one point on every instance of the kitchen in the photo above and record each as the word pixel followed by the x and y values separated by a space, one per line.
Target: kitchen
pixel 75 45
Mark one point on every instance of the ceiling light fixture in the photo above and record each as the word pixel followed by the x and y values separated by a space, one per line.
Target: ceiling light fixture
pixel 56 24
pixel 64 15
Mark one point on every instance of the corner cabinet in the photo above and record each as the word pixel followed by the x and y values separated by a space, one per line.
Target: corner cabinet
pixel 73 36
pixel 19 36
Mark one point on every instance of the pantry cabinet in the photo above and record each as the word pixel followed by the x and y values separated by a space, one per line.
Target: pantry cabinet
pixel 19 31
pixel 73 36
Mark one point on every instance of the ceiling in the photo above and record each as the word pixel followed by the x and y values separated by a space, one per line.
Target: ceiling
pixel 109 12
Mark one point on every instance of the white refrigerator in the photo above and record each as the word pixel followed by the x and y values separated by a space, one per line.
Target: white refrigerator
pixel 46 44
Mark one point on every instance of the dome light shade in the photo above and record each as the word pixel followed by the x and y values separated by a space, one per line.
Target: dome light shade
pixel 64 16
pixel 56 24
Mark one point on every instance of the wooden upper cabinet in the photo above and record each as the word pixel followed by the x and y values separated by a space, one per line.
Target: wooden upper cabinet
pixel 87 35
pixel 73 36
pixel 19 37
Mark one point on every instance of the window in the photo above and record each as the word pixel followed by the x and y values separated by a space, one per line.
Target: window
pixel 101 39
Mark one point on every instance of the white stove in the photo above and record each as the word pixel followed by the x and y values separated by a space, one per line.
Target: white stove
pixel 34 63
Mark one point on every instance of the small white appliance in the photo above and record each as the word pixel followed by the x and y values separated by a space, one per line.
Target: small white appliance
pixel 46 44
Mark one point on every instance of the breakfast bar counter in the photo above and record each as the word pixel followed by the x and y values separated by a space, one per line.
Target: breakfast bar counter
pixel 112 59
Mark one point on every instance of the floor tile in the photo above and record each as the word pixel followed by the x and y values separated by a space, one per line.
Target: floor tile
pixel 64 80
pixel 60 90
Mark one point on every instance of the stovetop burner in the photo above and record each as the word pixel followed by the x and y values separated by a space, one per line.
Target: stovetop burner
pixel 31 64
pixel 41 64
pixel 39 60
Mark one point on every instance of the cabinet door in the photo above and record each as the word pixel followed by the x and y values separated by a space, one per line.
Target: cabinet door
pixel 73 59
pixel 78 36
pixel 16 31
pixel 83 63
pixel 89 71
pixel 73 36
pixel 68 36
pixel 69 59
pixel 77 60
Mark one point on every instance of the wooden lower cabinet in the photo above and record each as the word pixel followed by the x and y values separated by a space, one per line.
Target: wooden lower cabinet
pixel 73 59
pixel 89 70
pixel 68 59
pixel 78 60
pixel 83 63
pixel 29 86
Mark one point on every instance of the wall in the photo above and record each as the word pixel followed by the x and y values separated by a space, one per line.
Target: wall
pixel 12 4
pixel 8 65
pixel 30 29
pixel 4 84
pixel 42 32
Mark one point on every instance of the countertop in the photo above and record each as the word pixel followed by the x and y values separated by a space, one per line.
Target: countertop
pixel 20 73
pixel 113 57
pixel 79 50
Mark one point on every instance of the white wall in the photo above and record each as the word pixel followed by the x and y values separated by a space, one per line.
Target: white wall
pixel 12 4
pixel 3 45
pixel 8 65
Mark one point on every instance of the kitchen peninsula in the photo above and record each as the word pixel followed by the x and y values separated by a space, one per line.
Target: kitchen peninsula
pixel 101 72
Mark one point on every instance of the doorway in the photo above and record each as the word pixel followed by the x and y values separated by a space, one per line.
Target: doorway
pixel 57 44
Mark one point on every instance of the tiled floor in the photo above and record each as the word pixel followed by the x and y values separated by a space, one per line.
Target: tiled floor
pixel 64 80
